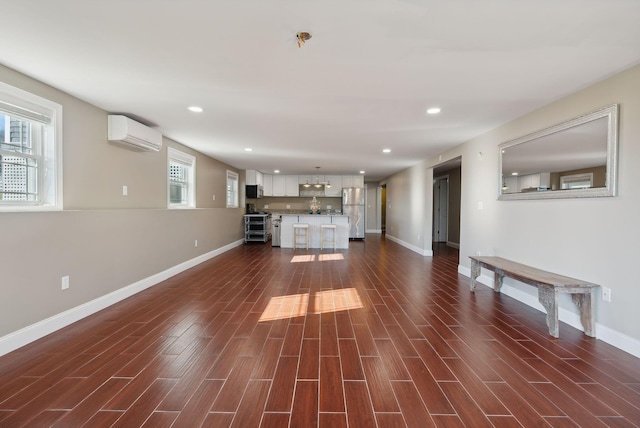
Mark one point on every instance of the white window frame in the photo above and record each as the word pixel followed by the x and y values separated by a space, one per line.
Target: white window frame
pixel 233 196
pixel 188 161
pixel 47 151
pixel 574 181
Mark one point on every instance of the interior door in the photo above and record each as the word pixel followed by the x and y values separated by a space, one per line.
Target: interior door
pixel 440 205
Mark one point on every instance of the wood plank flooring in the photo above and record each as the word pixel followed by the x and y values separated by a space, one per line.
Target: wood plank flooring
pixel 373 336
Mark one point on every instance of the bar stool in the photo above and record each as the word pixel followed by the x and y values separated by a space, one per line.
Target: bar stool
pixel 324 228
pixel 300 230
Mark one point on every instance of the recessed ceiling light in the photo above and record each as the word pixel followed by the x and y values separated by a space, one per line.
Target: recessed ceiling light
pixel 386 150
pixel 248 149
pixel 276 171
pixel 361 172
pixel 433 110
pixel 195 109
pixel 514 173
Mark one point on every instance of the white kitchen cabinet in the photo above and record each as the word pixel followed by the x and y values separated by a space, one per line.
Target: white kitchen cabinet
pixel 254 177
pixel 278 185
pixel 267 185
pixel 251 178
pixel 336 185
pixel 291 185
pixel 545 180
pixel 353 181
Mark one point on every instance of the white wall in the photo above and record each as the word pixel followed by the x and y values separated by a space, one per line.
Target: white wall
pixel 409 208
pixel 594 239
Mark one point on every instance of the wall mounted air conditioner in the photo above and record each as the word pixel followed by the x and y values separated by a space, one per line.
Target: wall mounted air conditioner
pixel 132 135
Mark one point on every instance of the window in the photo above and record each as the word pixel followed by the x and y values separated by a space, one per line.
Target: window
pixel 577 181
pixel 232 189
pixel 30 154
pixel 182 168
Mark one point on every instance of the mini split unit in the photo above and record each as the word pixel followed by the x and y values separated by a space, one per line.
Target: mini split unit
pixel 133 135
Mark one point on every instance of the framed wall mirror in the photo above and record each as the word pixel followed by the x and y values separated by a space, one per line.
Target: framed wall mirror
pixel 574 159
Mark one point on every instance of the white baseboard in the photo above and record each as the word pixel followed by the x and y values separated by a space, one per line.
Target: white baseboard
pixel 453 245
pixel 426 253
pixel 33 332
pixel 373 231
pixel 604 333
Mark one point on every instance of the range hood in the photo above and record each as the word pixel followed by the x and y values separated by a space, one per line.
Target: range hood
pixel 311 191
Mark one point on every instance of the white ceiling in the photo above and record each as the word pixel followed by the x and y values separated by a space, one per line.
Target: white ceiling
pixel 361 84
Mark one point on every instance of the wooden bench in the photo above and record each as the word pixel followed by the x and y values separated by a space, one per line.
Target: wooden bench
pixel 549 286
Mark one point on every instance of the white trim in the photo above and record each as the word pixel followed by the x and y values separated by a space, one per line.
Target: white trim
pixel 604 333
pixel 453 245
pixel 33 332
pixel 426 253
pixel 373 231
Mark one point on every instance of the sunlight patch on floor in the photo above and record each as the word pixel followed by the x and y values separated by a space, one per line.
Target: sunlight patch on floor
pixel 303 258
pixel 329 257
pixel 297 305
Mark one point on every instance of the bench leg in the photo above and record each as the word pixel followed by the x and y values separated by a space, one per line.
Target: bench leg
pixel 585 303
pixel 548 297
pixel 498 278
pixel 475 272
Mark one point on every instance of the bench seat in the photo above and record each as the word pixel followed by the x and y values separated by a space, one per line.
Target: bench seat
pixel 549 285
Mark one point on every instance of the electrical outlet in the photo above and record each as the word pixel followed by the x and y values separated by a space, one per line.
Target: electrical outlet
pixel 606 294
pixel 65 282
pixel 480 205
pixel 214 197
pixel 125 191
pixel 196 244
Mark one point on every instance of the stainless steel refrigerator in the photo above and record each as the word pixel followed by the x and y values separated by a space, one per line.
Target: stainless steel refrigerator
pixel 353 200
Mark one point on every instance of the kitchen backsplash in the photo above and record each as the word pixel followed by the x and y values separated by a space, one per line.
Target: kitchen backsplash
pixel 293 205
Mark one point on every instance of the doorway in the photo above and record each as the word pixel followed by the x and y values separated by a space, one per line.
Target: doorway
pixel 447 185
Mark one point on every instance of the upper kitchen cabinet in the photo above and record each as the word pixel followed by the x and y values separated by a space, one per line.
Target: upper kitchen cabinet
pixel 267 185
pixel 291 186
pixel 353 181
pixel 336 185
pixel 278 185
pixel 254 177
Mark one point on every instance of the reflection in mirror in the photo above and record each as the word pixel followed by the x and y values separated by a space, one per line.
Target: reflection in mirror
pixel 576 158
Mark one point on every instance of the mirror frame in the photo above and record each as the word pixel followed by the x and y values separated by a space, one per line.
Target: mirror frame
pixel 611 113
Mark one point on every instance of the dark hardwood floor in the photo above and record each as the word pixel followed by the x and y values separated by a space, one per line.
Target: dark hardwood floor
pixel 372 336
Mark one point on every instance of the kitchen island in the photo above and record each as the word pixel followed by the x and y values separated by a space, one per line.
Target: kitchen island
pixel 314 221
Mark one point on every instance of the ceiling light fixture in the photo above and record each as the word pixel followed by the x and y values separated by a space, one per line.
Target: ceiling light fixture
pixel 361 172
pixel 195 109
pixel 317 178
pixel 276 171
pixel 433 110
pixel 386 150
pixel 248 149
